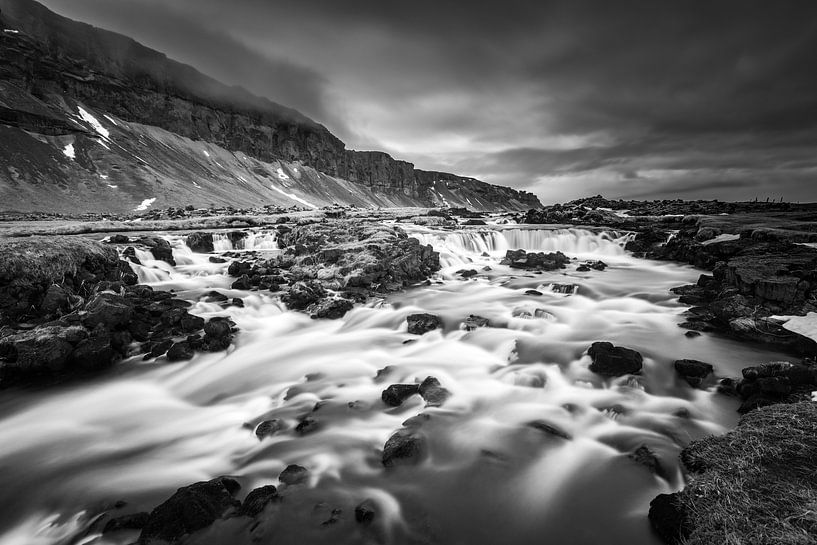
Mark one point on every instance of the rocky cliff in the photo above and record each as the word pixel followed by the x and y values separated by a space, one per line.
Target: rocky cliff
pixel 52 69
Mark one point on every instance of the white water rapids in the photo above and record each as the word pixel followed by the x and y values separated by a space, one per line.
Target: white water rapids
pixel 145 428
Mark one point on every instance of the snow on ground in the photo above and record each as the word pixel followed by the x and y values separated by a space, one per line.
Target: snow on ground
pixel 145 204
pixel 112 186
pixel 726 237
pixel 11 31
pixel 109 118
pixel 92 121
pixel 205 153
pixel 803 325
pixel 281 174
pixel 809 244
pixel 69 151
pixel 195 184
pixel 292 196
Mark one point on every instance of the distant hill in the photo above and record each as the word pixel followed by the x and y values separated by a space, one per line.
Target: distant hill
pixel 92 120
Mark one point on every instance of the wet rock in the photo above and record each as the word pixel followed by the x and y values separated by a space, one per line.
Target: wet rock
pixel 159 348
pixel 93 353
pixel 419 324
pixel 200 242
pixel 302 294
pixel 268 428
pixel 218 334
pixel 646 457
pixel 549 429
pixel 693 371
pixel 330 308
pixel 118 239
pixel 433 393
pixel 134 521
pixel 294 474
pixel 583 268
pixel 669 519
pixel 533 292
pixel 108 310
pixel 613 361
pixel 216 259
pixel 396 394
pixel 180 351
pixel 520 259
pixel 474 222
pixel 190 509
pixel 404 447
pixel 564 289
pixel 365 512
pixel 160 248
pixel 467 273
pixel 55 301
pixel 257 500
pixel 306 425
pixel 243 283
pixel 473 322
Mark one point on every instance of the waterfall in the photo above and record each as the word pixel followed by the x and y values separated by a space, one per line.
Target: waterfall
pixel 263 240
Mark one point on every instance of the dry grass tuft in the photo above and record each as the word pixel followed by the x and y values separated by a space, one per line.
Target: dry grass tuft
pixel 757 484
pixel 49 259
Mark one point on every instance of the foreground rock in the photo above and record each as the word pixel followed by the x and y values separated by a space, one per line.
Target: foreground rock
pixel 776 382
pixel 520 259
pixel 755 484
pixel 70 306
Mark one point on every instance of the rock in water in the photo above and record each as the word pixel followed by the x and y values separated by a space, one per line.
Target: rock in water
pixel 190 509
pixel 404 447
pixel 693 371
pixel 614 361
pixel 257 500
pixel 365 512
pixel 134 521
pixel 396 394
pixel 668 519
pixel 419 324
pixel 200 242
pixel 433 393
pixel 294 474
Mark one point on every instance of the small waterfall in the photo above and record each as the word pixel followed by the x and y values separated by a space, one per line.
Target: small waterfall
pixel 264 240
pixel 458 248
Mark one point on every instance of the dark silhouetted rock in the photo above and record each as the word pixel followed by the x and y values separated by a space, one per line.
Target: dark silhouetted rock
pixel 365 512
pixel 396 394
pixel 302 294
pixel 190 509
pixel 549 429
pixel 181 351
pixel 668 519
pixel 269 427
pixel 200 242
pixel 614 361
pixel 257 500
pixel 433 393
pixel 404 447
pixel 330 308
pixel 693 371
pixel 134 521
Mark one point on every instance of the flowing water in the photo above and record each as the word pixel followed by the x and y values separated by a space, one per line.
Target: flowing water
pixel 146 428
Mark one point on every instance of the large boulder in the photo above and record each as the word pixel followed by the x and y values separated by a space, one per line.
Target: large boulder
pixel 190 509
pixel 200 242
pixel 693 371
pixel 614 361
pixel 404 447
pixel 520 259
pixel 419 324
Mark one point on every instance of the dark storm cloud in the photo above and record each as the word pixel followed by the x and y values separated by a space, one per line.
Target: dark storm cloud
pixel 627 98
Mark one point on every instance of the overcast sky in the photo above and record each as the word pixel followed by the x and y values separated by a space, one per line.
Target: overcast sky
pixel 643 99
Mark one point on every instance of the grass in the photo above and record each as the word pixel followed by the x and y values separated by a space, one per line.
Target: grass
pixel 758 483
pixel 49 259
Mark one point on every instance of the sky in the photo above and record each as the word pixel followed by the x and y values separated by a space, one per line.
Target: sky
pixel 569 98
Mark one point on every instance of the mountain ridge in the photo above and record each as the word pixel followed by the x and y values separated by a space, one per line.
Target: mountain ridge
pixel 55 68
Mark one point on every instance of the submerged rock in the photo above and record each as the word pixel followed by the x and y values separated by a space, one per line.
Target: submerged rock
pixel 294 474
pixel 614 361
pixel 432 392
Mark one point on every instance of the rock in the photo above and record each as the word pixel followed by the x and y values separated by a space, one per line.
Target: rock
pixel 533 292
pixel 302 294
pixel 365 512
pixel 614 361
pixel 269 427
pixel 645 456
pixel 294 474
pixel 474 222
pixel 404 447
pixel 243 283
pixel 550 429
pixel 134 521
pixel 118 239
pixel 473 322
pixel 218 334
pixel 93 353
pixel 216 259
pixel 200 242
pixel 181 351
pixel 668 519
pixel 693 371
pixel 160 248
pixel 159 348
pixel 582 268
pixel 330 308
pixel 306 425
pixel 432 392
pixel 108 310
pixel 55 301
pixel 420 324
pixel 190 509
pixel 519 259
pixel 396 394
pixel 257 500
pixel 467 273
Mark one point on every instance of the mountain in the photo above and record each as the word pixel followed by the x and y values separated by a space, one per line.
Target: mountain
pixel 91 120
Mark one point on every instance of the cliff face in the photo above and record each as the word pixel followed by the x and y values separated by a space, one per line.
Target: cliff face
pixel 48 61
